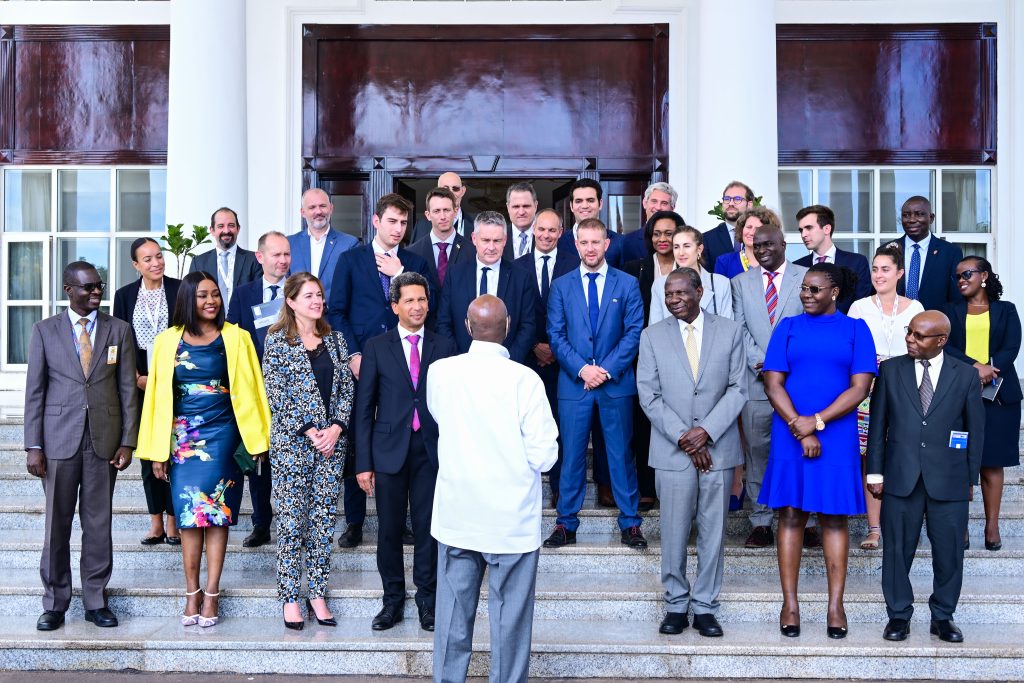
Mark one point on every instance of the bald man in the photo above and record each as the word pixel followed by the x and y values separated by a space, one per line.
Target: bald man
pixel 463 220
pixel 925 440
pixel 317 246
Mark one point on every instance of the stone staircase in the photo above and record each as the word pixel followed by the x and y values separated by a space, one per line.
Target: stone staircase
pixel 598 606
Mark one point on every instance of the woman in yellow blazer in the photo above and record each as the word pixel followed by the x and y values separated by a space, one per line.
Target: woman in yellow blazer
pixel 204 400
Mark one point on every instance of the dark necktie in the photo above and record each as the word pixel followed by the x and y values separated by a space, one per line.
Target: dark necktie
pixel 545 279
pixel 442 261
pixel 385 281
pixel 771 296
pixel 926 389
pixel 914 275
pixel 821 259
pixel 273 291
pixel 592 303
pixel 483 280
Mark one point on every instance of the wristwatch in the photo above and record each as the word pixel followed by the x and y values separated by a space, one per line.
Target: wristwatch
pixel 819 424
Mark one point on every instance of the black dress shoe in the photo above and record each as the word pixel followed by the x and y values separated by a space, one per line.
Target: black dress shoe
pixel 836 632
pixel 633 537
pixel 50 620
pixel 259 536
pixel 707 625
pixel 387 617
pixel 102 617
pixel 790 630
pixel 605 497
pixel 896 629
pixel 352 537
pixel 946 630
pixel 173 540
pixel 994 545
pixel 426 618
pixel 760 537
pixel 674 623
pixel 645 505
pixel 154 540
pixel 407 537
pixel 559 537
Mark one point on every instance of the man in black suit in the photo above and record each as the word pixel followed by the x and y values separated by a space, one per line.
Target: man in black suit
pixel 736 198
pixel 521 202
pixel 232 265
pixel 489 274
pixel 442 248
pixel 544 264
pixel 816 224
pixel 930 262
pixel 585 201
pixel 248 312
pixel 396 446
pixel 360 309
pixel 657 197
pixel 463 220
pixel 930 398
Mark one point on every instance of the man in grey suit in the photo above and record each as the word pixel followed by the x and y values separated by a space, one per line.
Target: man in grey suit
pixel 81 425
pixel 692 385
pixel 761 297
pixel 934 400
pixel 232 265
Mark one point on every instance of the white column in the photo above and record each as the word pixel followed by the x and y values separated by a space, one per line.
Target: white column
pixel 207 164
pixel 737 134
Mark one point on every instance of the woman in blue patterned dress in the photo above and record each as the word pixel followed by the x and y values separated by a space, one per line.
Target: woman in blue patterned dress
pixel 204 397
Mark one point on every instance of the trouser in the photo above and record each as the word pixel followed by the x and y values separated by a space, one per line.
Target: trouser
pixel 85 480
pixel 260 485
pixel 757 428
pixel 511 582
pixel 641 450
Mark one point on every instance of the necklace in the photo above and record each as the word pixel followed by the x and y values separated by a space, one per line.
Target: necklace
pixel 888 326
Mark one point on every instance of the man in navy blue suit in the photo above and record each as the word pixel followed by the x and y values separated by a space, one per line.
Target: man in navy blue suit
pixel 930 262
pixel 463 220
pixel 360 308
pixel 521 203
pixel 490 274
pixel 736 198
pixel 442 248
pixel 544 265
pixel 274 255
pixel 585 201
pixel 595 316
pixel 317 247
pixel 657 197
pixel 816 224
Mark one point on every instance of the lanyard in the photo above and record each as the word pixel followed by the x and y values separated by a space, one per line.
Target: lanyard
pixel 225 277
pixel 152 313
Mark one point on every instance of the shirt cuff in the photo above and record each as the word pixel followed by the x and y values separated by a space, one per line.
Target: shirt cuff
pixel 874 479
pixel 344 427
pixel 30 448
pixel 305 428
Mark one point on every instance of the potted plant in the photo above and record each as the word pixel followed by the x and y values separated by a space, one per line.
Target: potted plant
pixel 184 247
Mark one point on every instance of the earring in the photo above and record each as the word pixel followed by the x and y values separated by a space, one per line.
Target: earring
pixel 833 297
pixel 984 284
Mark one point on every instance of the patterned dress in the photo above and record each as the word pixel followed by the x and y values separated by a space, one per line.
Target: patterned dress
pixel 206 484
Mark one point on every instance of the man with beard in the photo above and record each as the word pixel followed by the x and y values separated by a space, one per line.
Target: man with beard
pixel 233 265
pixel 737 198
pixel 316 248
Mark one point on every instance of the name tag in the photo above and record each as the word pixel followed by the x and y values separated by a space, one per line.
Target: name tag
pixel 111 355
pixel 958 440
pixel 265 315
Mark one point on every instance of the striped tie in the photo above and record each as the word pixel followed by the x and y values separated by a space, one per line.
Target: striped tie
pixel 926 389
pixel 771 296
pixel 691 350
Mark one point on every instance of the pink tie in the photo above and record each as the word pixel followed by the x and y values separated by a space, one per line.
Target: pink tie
pixel 821 259
pixel 414 372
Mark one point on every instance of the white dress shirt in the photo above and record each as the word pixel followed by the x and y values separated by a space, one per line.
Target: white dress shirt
pixel 267 294
pixel 602 275
pixel 538 264
pixel 780 271
pixel 698 332
pixel 830 256
pixel 407 346
pixel 496 437
pixel 492 276
pixel 76 329
pixel 316 251
pixel 908 253
pixel 517 241
pixel 450 241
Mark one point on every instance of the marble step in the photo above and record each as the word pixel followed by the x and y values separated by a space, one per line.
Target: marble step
pixel 623 597
pixel 593 554
pixel 560 649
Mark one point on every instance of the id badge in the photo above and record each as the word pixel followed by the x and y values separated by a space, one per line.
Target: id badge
pixel 111 355
pixel 958 440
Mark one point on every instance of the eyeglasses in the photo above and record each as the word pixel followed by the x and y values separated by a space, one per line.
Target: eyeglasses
pixel 454 188
pixel 90 287
pixel 967 274
pixel 814 289
pixel 734 200
pixel 918 336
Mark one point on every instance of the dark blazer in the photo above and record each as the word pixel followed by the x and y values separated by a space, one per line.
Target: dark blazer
pixel 643 270
pixel 515 289
pixel 302 258
pixel 423 227
pixel 717 241
pixel 357 306
pixel 567 243
pixel 1004 336
pixel 855 262
pixel 386 398
pixel 634 245
pixel 124 309
pixel 564 263
pixel 240 311
pixel 937 285
pixel 905 445
pixel 461 251
pixel 246 269
pixel 512 243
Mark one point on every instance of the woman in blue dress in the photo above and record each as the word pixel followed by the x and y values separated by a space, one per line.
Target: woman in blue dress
pixel 817 369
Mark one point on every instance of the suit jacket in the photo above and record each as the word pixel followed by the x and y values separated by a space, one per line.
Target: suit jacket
pixel 461 251
pixel 512 243
pixel 905 445
pixel 357 306
pixel 676 402
pixel 514 289
pixel 423 227
pixel 240 311
pixel 246 268
pixel 59 397
pixel 644 271
pixel 613 347
pixel 567 243
pixel 855 262
pixel 937 285
pixel 1004 337
pixel 718 241
pixel 635 246
pixel 302 259
pixel 386 400
pixel 749 310
pixel 125 300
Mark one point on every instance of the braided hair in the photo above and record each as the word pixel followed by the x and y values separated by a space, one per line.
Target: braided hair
pixel 993 285
pixel 840 277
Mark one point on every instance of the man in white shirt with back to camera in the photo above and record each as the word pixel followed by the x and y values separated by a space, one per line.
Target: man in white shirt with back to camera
pixel 509 436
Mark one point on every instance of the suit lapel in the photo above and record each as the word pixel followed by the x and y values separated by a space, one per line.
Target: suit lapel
pixel 370 264
pixel 62 324
pixel 503 277
pixel 332 240
pixel 786 289
pixel 99 347
pixel 753 285
pixel 675 341
pixel 399 353
pixel 706 344
pixel 908 378
pixel 606 296
pixel 942 389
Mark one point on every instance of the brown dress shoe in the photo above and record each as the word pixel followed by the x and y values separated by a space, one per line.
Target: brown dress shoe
pixel 605 498
pixel 812 537
pixel 760 537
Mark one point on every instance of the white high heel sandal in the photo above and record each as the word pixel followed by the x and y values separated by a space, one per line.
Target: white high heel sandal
pixel 191 619
pixel 207 622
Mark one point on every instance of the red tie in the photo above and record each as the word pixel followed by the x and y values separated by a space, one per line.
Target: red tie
pixel 414 372
pixel 771 296
pixel 442 262
pixel 821 259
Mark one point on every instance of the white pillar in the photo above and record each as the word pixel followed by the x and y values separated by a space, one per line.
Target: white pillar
pixel 206 119
pixel 737 135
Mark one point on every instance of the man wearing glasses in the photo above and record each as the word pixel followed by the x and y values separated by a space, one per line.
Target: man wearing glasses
pixel 81 425
pixel 463 220
pixel 736 198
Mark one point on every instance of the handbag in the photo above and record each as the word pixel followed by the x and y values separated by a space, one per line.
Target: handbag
pixel 245 462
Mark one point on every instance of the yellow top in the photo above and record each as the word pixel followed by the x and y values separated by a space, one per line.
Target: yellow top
pixel 977 337
pixel 248 395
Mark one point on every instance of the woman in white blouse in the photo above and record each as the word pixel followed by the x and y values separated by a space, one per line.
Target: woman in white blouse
pixel 886 314
pixel 688 252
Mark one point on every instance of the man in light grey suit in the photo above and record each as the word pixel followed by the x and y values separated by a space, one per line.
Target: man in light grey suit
pixel 761 297
pixel 81 425
pixel 691 383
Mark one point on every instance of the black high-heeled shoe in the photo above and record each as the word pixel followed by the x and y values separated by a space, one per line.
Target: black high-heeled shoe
pixel 323 622
pixel 790 630
pixel 294 625
pixel 836 632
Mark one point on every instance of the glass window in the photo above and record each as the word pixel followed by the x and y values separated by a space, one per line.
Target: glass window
pixel 973 248
pixel 966 201
pixel 125 272
pixel 25 271
pixel 141 200
pixel 26 201
pixel 897 186
pixel 624 213
pixel 20 320
pixel 84 201
pixel 864 247
pixel 95 250
pixel 348 214
pixel 849 194
pixel 794 193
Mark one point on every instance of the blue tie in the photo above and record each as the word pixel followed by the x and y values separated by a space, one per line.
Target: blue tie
pixel 592 303
pixel 914 276
pixel 385 282
pixel 483 280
